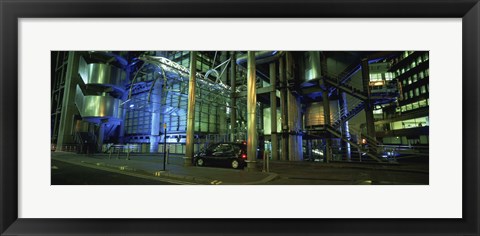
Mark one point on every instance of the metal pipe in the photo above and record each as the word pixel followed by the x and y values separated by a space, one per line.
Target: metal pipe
pixel 273 110
pixel 191 110
pixel 251 112
pixel 261 57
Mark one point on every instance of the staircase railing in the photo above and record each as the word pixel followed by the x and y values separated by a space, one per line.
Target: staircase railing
pixel 344 115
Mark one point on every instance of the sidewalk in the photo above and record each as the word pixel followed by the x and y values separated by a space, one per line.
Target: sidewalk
pixel 151 167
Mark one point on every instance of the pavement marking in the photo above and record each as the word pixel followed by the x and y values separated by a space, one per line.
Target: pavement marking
pixel 123 167
pixel 216 182
pixel 55 167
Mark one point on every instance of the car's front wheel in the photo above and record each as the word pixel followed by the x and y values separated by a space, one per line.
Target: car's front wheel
pixel 200 162
pixel 235 164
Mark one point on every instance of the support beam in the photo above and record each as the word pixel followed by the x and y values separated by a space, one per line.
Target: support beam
pixel 66 127
pixel 295 152
pixel 326 103
pixel 370 121
pixel 283 109
pixel 156 100
pixel 233 100
pixel 273 111
pixel 191 110
pixel 251 113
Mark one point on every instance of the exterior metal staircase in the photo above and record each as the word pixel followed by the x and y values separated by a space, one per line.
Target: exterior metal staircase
pixel 370 152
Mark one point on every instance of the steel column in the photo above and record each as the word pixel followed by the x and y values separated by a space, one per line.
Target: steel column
pixel 368 103
pixel 326 105
pixel 251 112
pixel 283 108
pixel 345 128
pixel 66 127
pixel 191 110
pixel 233 100
pixel 294 151
pixel 273 110
pixel 155 100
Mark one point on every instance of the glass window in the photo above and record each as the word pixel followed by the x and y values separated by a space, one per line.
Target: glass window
pixel 423 89
pixel 409 107
pixel 409 80
pixel 413 64
pixel 427 72
pixel 415 78
pixel 421 75
pixel 417 92
pixel 411 93
pixel 405 95
pixel 415 105
pixel 419 60
pixel 425 56
pixel 422 103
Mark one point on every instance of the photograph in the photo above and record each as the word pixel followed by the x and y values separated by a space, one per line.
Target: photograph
pixel 239 117
pixel 268 117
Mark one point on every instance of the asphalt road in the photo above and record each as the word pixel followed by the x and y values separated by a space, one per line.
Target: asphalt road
pixel 68 174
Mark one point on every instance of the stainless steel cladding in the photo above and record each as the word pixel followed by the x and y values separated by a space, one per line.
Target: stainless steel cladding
pixel 104 74
pixel 101 106
pixel 314 113
pixel 312 66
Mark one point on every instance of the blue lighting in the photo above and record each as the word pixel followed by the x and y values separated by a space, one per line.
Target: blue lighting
pixel 132 105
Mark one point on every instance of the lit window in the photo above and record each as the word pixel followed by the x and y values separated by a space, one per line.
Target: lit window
pixel 405 95
pixel 409 80
pixel 417 92
pixel 423 89
pixel 425 56
pixel 415 78
pixel 411 93
pixel 421 75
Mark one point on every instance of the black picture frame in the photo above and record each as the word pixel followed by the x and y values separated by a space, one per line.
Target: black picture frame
pixel 11 11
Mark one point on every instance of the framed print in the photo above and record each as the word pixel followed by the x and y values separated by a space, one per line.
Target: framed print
pixel 143 95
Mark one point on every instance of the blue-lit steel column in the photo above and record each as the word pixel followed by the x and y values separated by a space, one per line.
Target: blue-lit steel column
pixel 66 127
pixel 368 104
pixel 191 110
pixel 156 100
pixel 273 110
pixel 345 129
pixel 251 112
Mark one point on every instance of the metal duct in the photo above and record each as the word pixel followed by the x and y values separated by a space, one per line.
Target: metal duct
pixel 312 66
pixel 261 57
pixel 101 106
pixel 98 73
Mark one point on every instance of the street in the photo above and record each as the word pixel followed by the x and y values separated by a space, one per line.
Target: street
pixel 68 174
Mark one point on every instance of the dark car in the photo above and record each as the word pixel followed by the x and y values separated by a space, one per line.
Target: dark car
pixel 222 154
